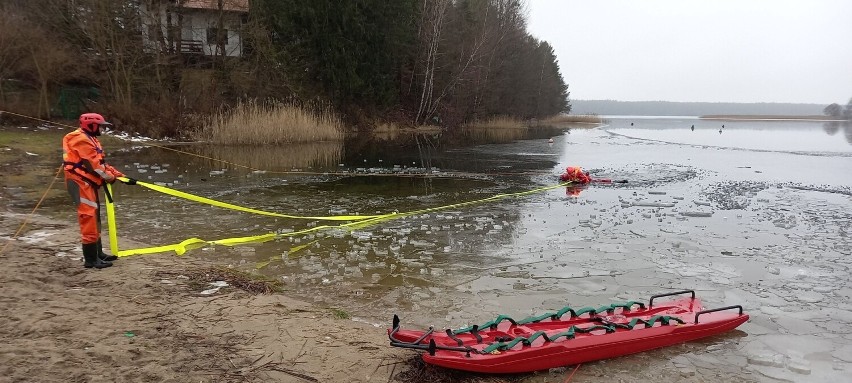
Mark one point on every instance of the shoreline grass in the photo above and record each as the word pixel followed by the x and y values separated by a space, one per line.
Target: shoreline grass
pixel 264 123
pixel 572 118
pixel 498 122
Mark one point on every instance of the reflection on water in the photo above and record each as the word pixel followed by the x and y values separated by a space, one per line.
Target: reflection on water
pixel 500 136
pixel 453 150
pixel 315 155
pixel 833 127
pixel 401 186
pixel 788 136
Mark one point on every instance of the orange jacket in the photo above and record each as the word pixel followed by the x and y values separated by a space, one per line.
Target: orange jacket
pixel 575 174
pixel 83 158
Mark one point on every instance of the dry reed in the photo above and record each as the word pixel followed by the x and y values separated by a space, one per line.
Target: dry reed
pixel 498 122
pixel 264 123
pixel 496 136
pixel 387 127
pixel 572 118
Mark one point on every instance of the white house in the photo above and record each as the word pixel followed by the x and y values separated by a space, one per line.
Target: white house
pixel 203 27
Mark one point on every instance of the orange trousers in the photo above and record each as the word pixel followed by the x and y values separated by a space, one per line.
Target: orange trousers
pixel 85 197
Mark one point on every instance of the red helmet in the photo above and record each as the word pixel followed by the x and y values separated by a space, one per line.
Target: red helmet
pixel 90 122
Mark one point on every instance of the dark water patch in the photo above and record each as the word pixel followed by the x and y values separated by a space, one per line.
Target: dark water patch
pixel 470 150
pixel 401 186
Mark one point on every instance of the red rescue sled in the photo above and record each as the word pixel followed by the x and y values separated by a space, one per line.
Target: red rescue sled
pixel 569 336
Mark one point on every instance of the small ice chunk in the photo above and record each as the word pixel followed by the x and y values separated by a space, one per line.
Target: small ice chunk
pixel 766 358
pixel 800 366
pixel 697 213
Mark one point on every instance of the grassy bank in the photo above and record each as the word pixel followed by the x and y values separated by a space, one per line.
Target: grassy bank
pixel 272 123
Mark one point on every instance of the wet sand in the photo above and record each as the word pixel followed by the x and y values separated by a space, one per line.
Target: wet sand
pixel 64 323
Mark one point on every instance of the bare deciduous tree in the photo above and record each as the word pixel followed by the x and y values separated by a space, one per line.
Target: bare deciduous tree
pixel 12 46
pixel 431 26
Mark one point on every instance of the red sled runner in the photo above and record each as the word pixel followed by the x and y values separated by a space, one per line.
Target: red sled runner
pixel 569 336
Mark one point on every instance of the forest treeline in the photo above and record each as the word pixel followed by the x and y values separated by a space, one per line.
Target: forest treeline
pixel 407 62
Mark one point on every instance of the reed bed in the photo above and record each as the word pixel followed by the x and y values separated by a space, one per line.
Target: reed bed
pixel 387 127
pixel 496 136
pixel 573 118
pixel 498 122
pixel 263 123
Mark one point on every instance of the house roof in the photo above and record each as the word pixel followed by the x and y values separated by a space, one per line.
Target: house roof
pixel 227 5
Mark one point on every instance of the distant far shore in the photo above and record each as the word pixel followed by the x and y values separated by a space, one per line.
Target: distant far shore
pixel 767 117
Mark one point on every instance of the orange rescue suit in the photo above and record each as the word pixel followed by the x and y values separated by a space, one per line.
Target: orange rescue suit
pixel 85 172
pixel 575 174
pixel 578 179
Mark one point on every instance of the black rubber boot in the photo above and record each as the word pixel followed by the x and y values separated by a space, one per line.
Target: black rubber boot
pixel 90 255
pixel 102 256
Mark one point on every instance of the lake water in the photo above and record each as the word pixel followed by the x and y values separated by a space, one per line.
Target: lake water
pixel 757 215
pixel 787 136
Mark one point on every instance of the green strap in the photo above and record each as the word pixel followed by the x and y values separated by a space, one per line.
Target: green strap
pixel 492 324
pixel 527 341
pixel 584 310
pixel 562 312
pixel 555 316
pixel 664 319
pixel 536 319
pixel 628 305
pixel 570 333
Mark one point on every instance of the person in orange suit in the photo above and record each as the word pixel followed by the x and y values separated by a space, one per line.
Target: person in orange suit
pixel 578 178
pixel 85 172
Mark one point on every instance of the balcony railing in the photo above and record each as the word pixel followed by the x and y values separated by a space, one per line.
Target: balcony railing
pixel 191 47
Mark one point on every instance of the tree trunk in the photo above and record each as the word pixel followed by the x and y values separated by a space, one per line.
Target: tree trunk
pixel 436 24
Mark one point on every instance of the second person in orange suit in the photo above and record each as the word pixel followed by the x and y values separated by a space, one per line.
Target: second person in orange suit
pixel 578 178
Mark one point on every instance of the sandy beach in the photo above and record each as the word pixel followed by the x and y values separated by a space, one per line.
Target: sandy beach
pixel 144 320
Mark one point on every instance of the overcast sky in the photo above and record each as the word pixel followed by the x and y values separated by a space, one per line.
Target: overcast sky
pixel 700 50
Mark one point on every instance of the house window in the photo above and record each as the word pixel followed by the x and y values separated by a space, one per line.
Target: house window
pixel 211 35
